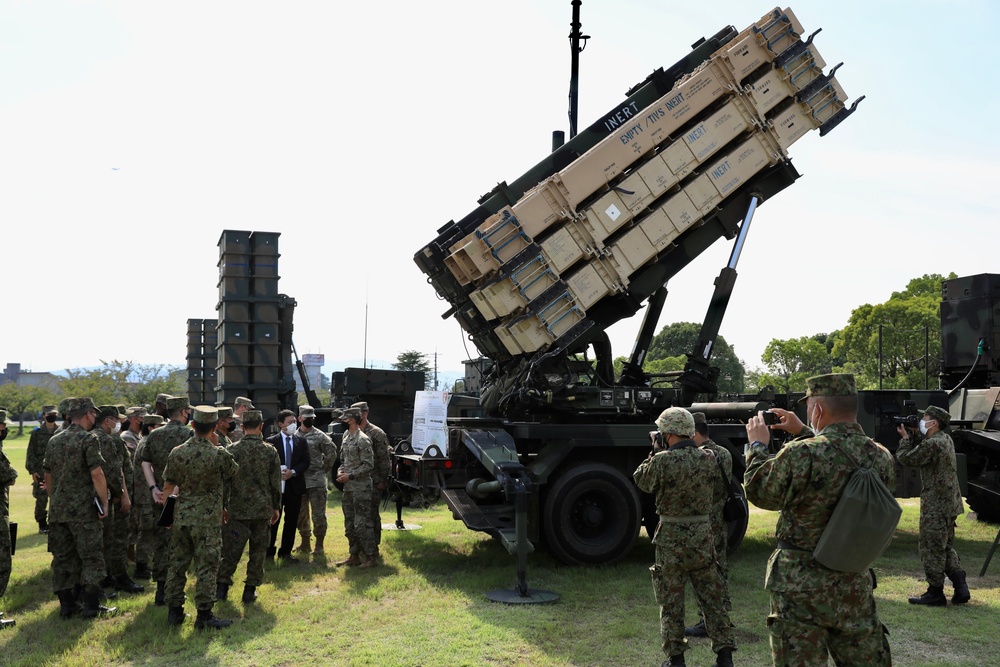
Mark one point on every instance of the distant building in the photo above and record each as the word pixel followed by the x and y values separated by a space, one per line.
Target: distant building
pixel 13 373
pixel 313 364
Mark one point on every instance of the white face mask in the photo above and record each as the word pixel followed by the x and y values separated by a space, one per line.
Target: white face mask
pixel 118 427
pixel 813 422
pixel 290 429
pixel 923 427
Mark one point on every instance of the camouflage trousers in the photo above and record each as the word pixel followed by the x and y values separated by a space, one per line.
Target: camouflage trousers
pixel 935 546
pixel 41 501
pixel 314 503
pixel 160 537
pixel 720 541
pixel 816 611
pixel 200 547
pixel 118 562
pixel 376 516
pixel 5 560
pixel 357 517
pixel 145 532
pixel 669 581
pixel 235 536
pixel 77 554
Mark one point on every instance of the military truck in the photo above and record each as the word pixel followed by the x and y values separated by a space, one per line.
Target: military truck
pixel 590 235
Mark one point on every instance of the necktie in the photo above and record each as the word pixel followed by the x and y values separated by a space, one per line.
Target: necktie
pixel 288 452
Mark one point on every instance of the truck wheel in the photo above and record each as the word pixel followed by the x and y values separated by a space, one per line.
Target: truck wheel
pixel 591 515
pixel 736 530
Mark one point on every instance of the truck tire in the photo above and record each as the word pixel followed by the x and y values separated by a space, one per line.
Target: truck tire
pixel 737 529
pixel 591 515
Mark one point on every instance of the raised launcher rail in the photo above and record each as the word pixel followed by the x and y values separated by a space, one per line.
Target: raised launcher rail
pixel 546 264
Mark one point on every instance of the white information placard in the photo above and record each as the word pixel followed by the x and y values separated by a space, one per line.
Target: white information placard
pixel 430 421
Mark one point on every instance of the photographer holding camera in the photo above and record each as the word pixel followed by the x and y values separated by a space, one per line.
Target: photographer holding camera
pixel 682 477
pixel 926 444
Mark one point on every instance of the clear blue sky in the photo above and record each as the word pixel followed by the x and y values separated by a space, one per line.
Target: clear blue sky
pixel 133 133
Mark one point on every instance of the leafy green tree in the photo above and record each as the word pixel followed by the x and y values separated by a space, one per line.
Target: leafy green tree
pixel 677 340
pixel 793 360
pixel 18 399
pixel 909 323
pixel 124 382
pixel 411 360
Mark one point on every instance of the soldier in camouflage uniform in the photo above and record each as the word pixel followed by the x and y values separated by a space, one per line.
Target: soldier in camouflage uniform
pixel 159 444
pixel 7 477
pixel 322 456
pixel 37 443
pixel 682 478
pixel 131 435
pixel 241 405
pixel 940 505
pixel 225 426
pixel 816 611
pixel 143 507
pixel 355 473
pixel 132 429
pixel 62 410
pixel 203 471
pixel 719 525
pixel 380 473
pixel 254 506
pixel 114 452
pixel 75 480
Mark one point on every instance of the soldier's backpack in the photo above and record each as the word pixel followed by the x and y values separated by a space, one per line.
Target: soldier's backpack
pixel 862 523
pixel 735 508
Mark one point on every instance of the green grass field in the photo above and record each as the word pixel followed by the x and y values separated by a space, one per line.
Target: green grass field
pixel 426 606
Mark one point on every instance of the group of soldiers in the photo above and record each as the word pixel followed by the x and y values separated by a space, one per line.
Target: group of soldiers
pixel 213 485
pixel 816 613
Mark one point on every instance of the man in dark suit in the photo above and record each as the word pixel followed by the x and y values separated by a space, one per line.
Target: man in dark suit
pixel 293 452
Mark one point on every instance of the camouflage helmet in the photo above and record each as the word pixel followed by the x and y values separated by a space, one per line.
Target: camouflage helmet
pixel 676 421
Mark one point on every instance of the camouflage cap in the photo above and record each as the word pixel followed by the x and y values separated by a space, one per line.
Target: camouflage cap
pixel 152 420
pixel 64 405
pixel 676 421
pixel 122 413
pixel 253 416
pixel 3 417
pixel 177 402
pixel 337 413
pixel 137 411
pixel 351 412
pixel 306 411
pixel 699 417
pixel 205 414
pixel 84 403
pixel 225 412
pixel 244 401
pixel 832 384
pixel 107 412
pixel 360 405
pixel 49 410
pixel 162 398
pixel 940 414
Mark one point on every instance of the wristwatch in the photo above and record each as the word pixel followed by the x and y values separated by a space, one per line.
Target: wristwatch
pixel 351 476
pixel 153 486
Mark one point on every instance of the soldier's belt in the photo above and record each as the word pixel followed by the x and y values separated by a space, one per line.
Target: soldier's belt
pixel 692 518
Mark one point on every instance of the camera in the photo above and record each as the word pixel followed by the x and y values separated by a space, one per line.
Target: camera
pixel 771 418
pixel 657 439
pixel 909 421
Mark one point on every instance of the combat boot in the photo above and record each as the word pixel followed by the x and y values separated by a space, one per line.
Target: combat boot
pixel 319 544
pixel 206 619
pixel 675 661
pixel 724 658
pixel 698 630
pixel 249 594
pixel 161 594
pixel 43 528
pixel 222 591
pixel 142 571
pixel 932 597
pixel 175 615
pixel 92 605
pixel 126 585
pixel 370 563
pixel 107 582
pixel 350 561
pixel 961 595
pixel 6 622
pixel 304 547
pixel 67 603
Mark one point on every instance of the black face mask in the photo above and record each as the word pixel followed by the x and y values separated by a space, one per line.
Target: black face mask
pixel 308 422
pixel 51 419
pixel 3 434
pixel 231 427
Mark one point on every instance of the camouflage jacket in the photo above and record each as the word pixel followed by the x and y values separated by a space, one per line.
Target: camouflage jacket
pixel 138 478
pixel 322 456
pixel 256 489
pixel 69 459
pixel 112 455
pixel 203 471
pixel 37 444
pixel 939 490
pixel 805 479
pixel 356 456
pixel 127 470
pixel 237 433
pixel 7 477
pixel 719 491
pixel 682 480
pixel 224 440
pixel 159 444
pixel 380 450
pixel 131 438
